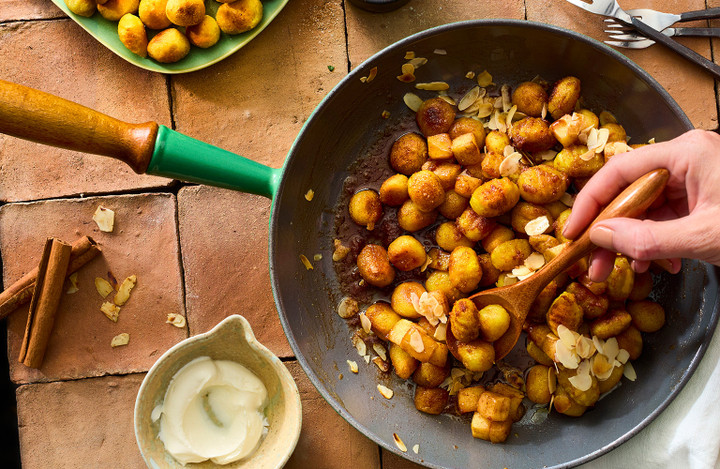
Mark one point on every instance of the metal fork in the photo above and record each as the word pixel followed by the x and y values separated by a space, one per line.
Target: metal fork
pixel 659 20
pixel 611 8
pixel 624 36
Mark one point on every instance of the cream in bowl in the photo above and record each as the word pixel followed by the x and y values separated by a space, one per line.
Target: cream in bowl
pixel 218 399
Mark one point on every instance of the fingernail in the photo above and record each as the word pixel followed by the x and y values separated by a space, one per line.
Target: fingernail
pixel 602 237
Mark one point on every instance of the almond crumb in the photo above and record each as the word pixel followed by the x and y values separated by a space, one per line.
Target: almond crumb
pixel 123 293
pixel 73 288
pixel 177 320
pixel 104 218
pixel 120 339
pixel 399 443
pixel 309 195
pixel 103 287
pixel 110 310
pixel 353 366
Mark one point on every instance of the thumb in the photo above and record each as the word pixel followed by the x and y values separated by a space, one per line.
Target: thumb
pixel 645 240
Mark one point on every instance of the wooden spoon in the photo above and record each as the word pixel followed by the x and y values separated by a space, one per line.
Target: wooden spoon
pixel 518 298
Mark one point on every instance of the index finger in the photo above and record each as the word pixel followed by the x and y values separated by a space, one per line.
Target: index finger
pixel 612 178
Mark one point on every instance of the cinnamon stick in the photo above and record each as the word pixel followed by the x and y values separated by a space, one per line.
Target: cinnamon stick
pixel 83 251
pixel 45 300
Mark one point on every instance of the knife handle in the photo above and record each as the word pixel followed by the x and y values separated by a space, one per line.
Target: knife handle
pixel 700 14
pixel 41 117
pixel 695 32
pixel 686 52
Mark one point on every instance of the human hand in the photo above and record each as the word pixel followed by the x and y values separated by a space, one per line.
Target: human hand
pixel 683 222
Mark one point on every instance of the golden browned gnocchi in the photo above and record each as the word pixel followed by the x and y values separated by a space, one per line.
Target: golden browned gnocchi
pixel 185 12
pixel 131 32
pixel 82 7
pixel 204 34
pixel 503 193
pixel 152 14
pixel 113 10
pixel 365 208
pixel 239 16
pixel 168 46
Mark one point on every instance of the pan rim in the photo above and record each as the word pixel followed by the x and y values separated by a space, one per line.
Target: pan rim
pixel 362 70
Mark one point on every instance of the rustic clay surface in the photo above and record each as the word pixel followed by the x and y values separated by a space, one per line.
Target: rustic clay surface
pixel 715 41
pixel 393 461
pixel 255 102
pixel 11 10
pixel 224 239
pixel 86 423
pixel 144 243
pixel 368 33
pixel 60 58
pixel 327 441
pixel 692 88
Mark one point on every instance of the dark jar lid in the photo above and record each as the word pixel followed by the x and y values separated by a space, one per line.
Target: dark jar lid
pixel 379 6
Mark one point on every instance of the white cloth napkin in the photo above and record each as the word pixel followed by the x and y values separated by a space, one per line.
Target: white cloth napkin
pixel 684 436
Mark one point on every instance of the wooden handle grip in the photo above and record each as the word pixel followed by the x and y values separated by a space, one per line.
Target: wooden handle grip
pixel 631 202
pixel 41 117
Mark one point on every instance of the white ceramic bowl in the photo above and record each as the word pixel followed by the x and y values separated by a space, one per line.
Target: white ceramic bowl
pixel 231 339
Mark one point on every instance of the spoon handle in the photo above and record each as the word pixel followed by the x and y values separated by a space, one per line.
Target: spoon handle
pixel 631 202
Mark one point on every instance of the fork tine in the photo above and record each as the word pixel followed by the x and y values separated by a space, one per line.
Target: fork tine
pixel 631 44
pixel 626 29
pixel 627 37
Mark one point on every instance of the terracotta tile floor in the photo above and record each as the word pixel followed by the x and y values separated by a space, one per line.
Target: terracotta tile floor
pixel 175 237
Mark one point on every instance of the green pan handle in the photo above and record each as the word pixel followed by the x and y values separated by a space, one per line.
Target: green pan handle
pixel 147 148
pixel 181 157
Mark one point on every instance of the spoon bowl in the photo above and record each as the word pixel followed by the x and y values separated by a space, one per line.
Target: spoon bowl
pixel 518 298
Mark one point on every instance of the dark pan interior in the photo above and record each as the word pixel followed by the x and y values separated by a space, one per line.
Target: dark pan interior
pixel 345 127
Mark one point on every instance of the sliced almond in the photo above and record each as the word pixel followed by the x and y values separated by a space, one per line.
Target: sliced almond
pixel 552 253
pixel 416 341
pixel 381 364
pixel 380 350
pixel 588 155
pixel 601 367
pixel 520 271
pixel 409 55
pixel 73 288
pixel 386 392
pixel 347 308
pixel 546 155
pixel 120 339
pixel 537 226
pixel 543 113
pixel 623 356
pixel 484 110
pixel 607 118
pixel 359 345
pixel 440 332
pixel 565 356
pixel 317 257
pixel 567 336
pixel 510 115
pixel 177 320
pixel 505 95
pixel 629 372
pixel 103 287
pixel 399 443
pixel 611 349
pixel 306 262
pixel 567 199
pixel 412 101
pixel 447 99
pixel 124 290
pixel 510 165
pixel 365 323
pixel 484 79
pixel 104 218
pixel 469 98
pixel 433 86
pixel 110 310
pixel 470 75
pixel 581 382
pixel 599 344
pixel 552 380
pixel 535 261
pixel 416 448
pixel 353 366
pixel 584 347
pixel 372 74
pixel 418 62
pixel 366 358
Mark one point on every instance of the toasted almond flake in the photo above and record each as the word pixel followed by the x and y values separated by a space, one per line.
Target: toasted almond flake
pixel 520 271
pixel 440 332
pixel 124 290
pixel 552 380
pixel 611 349
pixel 509 118
pixel 104 218
pixel 416 448
pixel 505 281
pixel 581 382
pixel 412 101
pixel 306 262
pixel 506 101
pixel 498 103
pixel 469 98
pixel 484 110
pixel 623 356
pixel 583 368
pixel 366 358
pixel 380 350
pixel 363 79
pixel 599 344
pixel 535 261
pixel 566 336
pixel 553 252
pixel 416 341
pixel 372 74
pixel 177 320
pixel 607 118
pixel 341 251
pixel 365 323
pixel 429 306
pixel 385 114
pixel 470 75
pixel 381 364
pixel 317 257
pixel 433 86
pixel 537 226
pixel 528 275
pixel 386 392
pixel 347 308
pixel 448 100
pixel 588 155
pixel 500 120
pixel 651 141
pixel 510 165
pixel 103 287
pixel 408 69
pixel 399 443
pixel 601 367
pixel 120 339
pixel 565 356
pixel 73 288
pixel 309 195
pixel 360 346
pixel 409 55
pixel 484 79
pixel 110 310
pixel 584 347
pixel 353 366
pixel 567 199
pixel 629 372
pixel 440 52
pixel 418 62
pixel 425 265
pixel 546 155
pixel 508 150
pixel 543 113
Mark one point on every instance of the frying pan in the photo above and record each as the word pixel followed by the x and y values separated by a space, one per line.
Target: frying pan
pixel 346 127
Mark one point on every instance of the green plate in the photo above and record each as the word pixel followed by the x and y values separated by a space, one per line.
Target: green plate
pixel 106 33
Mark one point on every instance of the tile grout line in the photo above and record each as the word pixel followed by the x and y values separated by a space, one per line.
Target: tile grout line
pixel 347 36
pixel 181 264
